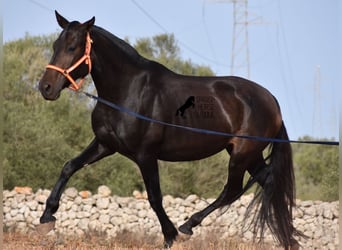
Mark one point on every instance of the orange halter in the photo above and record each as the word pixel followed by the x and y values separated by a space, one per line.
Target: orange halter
pixel 66 72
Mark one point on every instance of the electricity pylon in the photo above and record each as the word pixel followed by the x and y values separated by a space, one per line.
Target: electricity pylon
pixel 239 62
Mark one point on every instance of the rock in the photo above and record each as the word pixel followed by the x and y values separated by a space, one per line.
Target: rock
pixel 102 203
pixel 192 198
pixel 200 205
pixel 328 214
pixel 94 216
pixel 32 204
pixel 71 192
pixel 14 212
pixel 141 206
pixel 142 213
pixel 41 199
pixel 8 194
pixel 23 190
pixel 104 219
pixel 123 201
pixel 72 215
pixel 84 194
pixel 104 191
pixel 298 213
pixel 311 211
pixel 88 201
pixel 246 199
pixel 232 231
pixel 167 201
pixel 138 195
pixel 335 210
pixel 248 235
pixel 19 217
pixel 113 206
pixel 83 214
pixel 83 223
pixel 145 195
pixel 87 208
pixel 207 221
pixel 94 225
pixel 6 210
pixel 306 204
pixel 181 209
pixel 68 205
pixel 78 200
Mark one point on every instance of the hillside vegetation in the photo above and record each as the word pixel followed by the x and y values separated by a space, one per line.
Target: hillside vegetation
pixel 40 136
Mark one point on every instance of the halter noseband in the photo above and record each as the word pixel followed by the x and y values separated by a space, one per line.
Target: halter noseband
pixel 66 72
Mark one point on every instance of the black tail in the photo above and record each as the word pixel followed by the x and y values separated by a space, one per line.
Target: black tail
pixel 277 197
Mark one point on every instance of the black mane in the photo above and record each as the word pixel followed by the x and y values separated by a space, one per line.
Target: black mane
pixel 124 47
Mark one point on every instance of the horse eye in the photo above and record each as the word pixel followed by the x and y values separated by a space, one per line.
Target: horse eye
pixel 71 49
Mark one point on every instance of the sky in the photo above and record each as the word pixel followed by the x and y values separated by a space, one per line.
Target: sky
pixel 293 45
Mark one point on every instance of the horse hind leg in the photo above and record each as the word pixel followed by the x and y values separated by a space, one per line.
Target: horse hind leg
pixel 231 192
pixel 258 172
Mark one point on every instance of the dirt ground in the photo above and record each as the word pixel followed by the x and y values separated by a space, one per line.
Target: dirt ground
pixel 18 241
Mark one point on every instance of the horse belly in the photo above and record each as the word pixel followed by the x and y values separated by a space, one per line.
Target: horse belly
pixel 191 146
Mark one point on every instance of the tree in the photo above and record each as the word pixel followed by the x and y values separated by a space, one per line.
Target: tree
pixel 163 49
pixel 317 170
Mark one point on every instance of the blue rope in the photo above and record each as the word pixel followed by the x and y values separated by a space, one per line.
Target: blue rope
pixel 199 130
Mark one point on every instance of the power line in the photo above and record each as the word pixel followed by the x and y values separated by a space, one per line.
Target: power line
pixel 316 118
pixel 207 32
pixel 281 35
pixel 44 7
pixel 149 16
pixel 180 42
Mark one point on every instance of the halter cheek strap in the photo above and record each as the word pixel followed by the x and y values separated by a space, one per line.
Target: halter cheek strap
pixel 66 72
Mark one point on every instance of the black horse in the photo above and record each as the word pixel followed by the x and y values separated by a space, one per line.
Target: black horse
pixel 239 106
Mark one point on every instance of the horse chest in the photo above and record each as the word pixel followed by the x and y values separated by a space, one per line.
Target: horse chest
pixel 116 130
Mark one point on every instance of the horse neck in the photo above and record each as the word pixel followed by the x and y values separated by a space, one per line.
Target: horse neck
pixel 113 67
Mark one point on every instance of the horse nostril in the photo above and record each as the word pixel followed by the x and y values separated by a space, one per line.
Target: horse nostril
pixel 46 88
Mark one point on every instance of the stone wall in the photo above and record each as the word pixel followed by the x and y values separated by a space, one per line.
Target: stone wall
pixel 80 212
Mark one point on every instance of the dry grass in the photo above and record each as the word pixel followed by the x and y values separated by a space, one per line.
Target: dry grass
pixel 125 240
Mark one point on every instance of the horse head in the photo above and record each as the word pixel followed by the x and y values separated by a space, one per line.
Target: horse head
pixel 70 59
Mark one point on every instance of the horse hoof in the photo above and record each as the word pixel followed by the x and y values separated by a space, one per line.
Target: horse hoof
pixel 45 228
pixel 168 244
pixel 295 246
pixel 185 229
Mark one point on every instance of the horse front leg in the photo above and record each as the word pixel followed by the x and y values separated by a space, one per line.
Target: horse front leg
pixel 94 152
pixel 150 174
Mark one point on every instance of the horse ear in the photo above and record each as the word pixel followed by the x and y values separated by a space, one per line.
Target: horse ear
pixel 61 20
pixel 89 24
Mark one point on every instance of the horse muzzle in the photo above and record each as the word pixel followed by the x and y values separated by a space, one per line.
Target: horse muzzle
pixel 49 91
